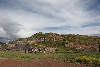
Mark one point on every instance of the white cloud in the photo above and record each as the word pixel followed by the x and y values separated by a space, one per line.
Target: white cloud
pixel 35 15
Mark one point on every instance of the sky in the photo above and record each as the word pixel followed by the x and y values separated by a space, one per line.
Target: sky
pixel 22 18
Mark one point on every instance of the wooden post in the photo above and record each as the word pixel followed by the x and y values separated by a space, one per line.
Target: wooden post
pixel 98 47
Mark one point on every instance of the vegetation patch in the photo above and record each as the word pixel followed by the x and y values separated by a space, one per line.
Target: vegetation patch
pixel 91 59
pixel 20 55
pixel 88 60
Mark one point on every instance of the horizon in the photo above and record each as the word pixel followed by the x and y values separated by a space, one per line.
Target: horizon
pixel 23 18
pixel 6 40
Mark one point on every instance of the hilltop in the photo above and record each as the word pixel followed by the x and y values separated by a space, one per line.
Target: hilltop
pixel 55 40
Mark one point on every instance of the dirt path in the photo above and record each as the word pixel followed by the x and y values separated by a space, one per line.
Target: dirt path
pixel 41 63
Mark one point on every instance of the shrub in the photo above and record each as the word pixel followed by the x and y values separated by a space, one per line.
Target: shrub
pixel 88 60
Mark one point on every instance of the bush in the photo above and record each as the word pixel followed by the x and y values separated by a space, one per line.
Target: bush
pixel 88 60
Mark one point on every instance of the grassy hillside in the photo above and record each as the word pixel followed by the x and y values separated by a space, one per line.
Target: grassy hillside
pixel 78 39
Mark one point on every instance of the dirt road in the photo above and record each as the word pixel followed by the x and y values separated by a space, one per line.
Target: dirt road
pixel 41 63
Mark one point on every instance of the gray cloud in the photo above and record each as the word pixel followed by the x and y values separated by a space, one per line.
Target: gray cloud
pixel 81 16
pixel 8 28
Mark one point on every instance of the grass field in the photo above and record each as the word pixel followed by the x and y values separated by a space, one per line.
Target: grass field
pixel 20 55
pixel 87 58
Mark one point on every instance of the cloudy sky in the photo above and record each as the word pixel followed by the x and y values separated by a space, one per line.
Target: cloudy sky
pixel 22 18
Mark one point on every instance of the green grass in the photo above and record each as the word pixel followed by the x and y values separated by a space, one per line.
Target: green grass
pixel 64 56
pixel 74 54
pixel 20 55
pixel 71 56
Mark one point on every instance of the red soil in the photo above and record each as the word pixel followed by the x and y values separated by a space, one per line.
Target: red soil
pixel 41 63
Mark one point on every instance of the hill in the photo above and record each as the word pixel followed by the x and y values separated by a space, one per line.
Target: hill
pixel 55 40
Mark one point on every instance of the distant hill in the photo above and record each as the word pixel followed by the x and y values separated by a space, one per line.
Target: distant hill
pixel 96 35
pixel 3 40
pixel 1 43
